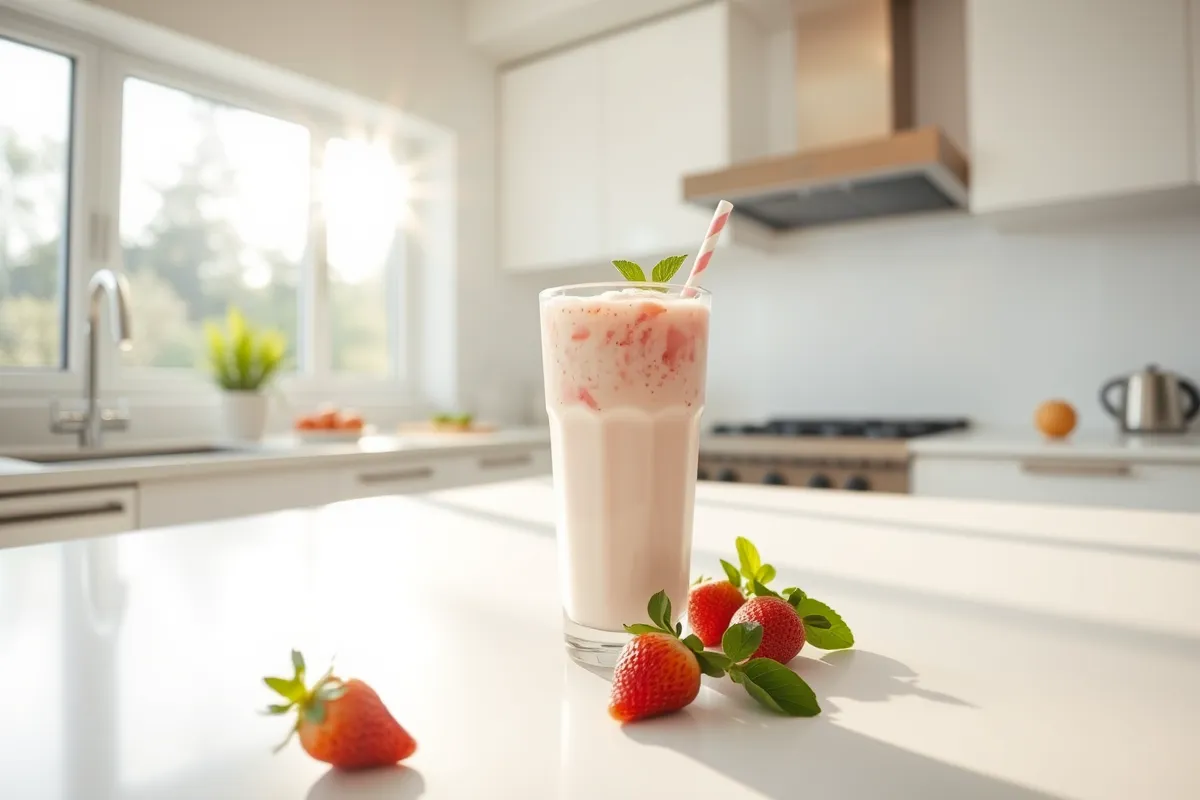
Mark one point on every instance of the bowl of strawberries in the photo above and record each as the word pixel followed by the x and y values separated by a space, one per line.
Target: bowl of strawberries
pixel 329 424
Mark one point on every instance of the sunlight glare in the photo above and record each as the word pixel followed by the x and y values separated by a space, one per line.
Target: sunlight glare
pixel 364 193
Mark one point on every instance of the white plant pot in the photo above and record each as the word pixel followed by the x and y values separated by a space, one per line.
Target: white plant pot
pixel 244 415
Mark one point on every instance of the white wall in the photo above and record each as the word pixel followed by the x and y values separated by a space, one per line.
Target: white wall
pixel 942 315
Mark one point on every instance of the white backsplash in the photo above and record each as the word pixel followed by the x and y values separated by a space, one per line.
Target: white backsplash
pixel 944 315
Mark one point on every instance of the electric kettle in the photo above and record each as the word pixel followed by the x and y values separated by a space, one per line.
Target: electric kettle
pixel 1152 401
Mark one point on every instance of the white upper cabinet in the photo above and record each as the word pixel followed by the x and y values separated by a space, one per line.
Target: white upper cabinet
pixel 1073 100
pixel 550 162
pixel 595 141
pixel 665 100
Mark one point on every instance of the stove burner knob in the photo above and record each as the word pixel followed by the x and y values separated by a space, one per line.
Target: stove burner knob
pixel 727 475
pixel 701 474
pixel 819 480
pixel 857 483
pixel 774 479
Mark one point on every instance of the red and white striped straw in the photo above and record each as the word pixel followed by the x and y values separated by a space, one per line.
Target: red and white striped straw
pixel 724 208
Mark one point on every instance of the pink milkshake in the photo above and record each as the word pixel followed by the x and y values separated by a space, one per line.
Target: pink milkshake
pixel 624 369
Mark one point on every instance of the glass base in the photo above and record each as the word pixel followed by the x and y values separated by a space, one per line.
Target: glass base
pixel 591 646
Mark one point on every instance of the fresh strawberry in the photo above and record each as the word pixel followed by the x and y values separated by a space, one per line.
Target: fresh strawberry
pixel 710 607
pixel 343 723
pixel 656 674
pixel 783 630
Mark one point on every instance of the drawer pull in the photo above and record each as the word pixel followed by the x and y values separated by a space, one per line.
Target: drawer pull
pixel 1098 469
pixel 501 462
pixel 396 476
pixel 98 510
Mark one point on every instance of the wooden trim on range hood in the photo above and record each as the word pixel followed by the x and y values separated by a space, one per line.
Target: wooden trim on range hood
pixel 905 151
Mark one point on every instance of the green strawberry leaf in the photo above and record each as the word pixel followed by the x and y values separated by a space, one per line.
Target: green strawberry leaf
pixel 639 627
pixel 732 573
pixel 765 574
pixel 747 557
pixel 762 591
pixel 665 270
pixel 741 640
pixel 659 610
pixel 693 642
pixel 298 664
pixel 631 270
pixel 794 596
pixel 290 688
pixel 713 664
pixel 779 689
pixel 278 709
pixel 331 691
pixel 836 637
pixel 678 628
pixel 817 621
pixel 737 674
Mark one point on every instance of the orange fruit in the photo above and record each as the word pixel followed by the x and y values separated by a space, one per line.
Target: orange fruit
pixel 1055 418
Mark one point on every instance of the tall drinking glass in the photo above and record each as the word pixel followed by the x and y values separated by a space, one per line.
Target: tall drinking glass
pixel 624 367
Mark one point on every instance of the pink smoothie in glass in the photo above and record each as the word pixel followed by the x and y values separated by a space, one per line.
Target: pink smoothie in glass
pixel 624 373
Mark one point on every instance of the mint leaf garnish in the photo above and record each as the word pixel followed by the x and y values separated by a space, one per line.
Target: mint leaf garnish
pixel 631 270
pixel 713 664
pixel 693 642
pixel 665 270
pixel 639 627
pixel 778 688
pixel 732 573
pixel 741 640
pixel 747 557
pixel 817 621
pixel 794 596
pixel 765 574
pixel 762 591
pixel 836 637
pixel 659 610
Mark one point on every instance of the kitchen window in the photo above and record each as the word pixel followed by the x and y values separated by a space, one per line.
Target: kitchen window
pixel 209 182
pixel 35 165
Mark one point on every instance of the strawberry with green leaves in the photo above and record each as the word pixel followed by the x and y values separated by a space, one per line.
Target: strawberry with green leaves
pixel 659 672
pixel 343 723
pixel 822 626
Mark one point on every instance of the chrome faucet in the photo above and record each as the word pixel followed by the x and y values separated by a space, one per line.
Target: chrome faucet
pixel 91 424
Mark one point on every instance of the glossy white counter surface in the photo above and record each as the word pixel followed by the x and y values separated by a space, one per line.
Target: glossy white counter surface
pixel 1081 445
pixel 283 452
pixel 1005 652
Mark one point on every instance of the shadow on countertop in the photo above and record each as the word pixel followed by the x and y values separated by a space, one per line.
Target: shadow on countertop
pixel 787 758
pixel 385 783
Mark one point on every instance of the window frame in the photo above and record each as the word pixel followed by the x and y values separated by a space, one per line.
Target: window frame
pixel 115 47
pixel 81 187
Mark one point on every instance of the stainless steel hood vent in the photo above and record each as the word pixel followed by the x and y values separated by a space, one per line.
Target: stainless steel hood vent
pixel 858 157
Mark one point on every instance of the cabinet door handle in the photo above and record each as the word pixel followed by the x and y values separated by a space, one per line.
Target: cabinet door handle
pixel 396 476
pixel 97 510
pixel 1098 469
pixel 500 462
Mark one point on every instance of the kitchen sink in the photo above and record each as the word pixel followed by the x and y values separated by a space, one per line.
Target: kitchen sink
pixel 109 454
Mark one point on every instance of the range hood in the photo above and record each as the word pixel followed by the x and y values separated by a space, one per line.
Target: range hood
pixel 858 156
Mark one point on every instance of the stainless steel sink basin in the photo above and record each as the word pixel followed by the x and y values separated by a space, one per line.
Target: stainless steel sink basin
pixel 108 454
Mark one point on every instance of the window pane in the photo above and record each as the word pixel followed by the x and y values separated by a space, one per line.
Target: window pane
pixel 363 191
pixel 35 146
pixel 214 213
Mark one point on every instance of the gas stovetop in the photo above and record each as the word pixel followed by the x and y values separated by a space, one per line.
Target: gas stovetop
pixel 854 428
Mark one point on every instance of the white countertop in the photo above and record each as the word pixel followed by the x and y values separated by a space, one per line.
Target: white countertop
pixel 1081 445
pixel 282 452
pixel 1004 652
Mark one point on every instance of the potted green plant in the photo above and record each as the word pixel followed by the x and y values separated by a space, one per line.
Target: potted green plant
pixel 243 361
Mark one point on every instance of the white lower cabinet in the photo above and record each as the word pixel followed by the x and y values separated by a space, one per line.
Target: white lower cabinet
pixel 241 494
pixel 1113 483
pixel 408 476
pixel 61 516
